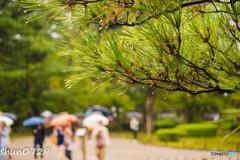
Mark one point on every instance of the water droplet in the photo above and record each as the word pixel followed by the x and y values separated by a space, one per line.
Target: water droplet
pixel 68 87
pixel 143 87
pixel 26 22
pixel 68 14
pixel 225 94
pixel 25 11
pixel 39 5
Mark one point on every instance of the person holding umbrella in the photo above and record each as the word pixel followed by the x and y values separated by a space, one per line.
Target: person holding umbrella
pixel 134 126
pixel 59 122
pixel 5 124
pixel 39 133
pixel 68 139
pixel 58 132
pixel 4 137
pixel 101 137
pixel 48 129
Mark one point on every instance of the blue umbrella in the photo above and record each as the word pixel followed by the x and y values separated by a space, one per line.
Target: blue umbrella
pixel 33 121
pixel 98 108
pixel 134 113
pixel 10 115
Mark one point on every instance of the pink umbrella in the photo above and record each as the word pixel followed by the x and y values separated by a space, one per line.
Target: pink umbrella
pixel 63 119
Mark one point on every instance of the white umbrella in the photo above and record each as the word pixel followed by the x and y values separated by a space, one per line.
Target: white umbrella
pixel 7 120
pixel 46 113
pixel 92 120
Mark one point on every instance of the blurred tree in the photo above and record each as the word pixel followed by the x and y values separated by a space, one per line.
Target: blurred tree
pixel 193 107
pixel 24 70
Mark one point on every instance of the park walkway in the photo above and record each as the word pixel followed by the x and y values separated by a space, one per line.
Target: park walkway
pixel 121 149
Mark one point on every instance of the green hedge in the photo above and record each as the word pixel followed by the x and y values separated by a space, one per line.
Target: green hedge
pixel 199 129
pixel 167 122
pixel 170 134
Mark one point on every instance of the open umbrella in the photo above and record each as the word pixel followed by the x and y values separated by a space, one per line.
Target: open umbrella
pixel 10 115
pixel 46 113
pixel 98 108
pixel 135 114
pixel 63 119
pixel 7 120
pixel 33 121
pixel 92 120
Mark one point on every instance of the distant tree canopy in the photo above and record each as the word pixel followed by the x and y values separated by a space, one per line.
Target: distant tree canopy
pixel 176 45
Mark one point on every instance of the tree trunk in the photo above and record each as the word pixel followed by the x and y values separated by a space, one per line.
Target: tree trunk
pixel 149 105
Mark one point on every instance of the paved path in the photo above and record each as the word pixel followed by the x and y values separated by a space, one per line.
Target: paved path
pixel 121 149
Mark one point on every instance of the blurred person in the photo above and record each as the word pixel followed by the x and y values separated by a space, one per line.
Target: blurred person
pixel 80 122
pixel 89 132
pixel 100 135
pixel 134 126
pixel 4 138
pixel 48 127
pixel 58 131
pixel 68 140
pixel 39 133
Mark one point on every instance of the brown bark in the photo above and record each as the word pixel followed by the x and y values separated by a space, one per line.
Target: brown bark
pixel 149 105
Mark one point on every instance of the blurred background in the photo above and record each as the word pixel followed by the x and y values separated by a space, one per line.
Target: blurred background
pixel 32 80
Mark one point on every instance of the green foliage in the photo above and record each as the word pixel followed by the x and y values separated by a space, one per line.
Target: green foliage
pixel 235 125
pixel 225 125
pixel 193 107
pixel 205 143
pixel 24 72
pixel 170 134
pixel 167 122
pixel 172 45
pixel 199 129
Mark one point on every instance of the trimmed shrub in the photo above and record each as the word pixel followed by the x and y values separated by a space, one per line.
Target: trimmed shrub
pixel 164 123
pixel 167 122
pixel 199 129
pixel 170 134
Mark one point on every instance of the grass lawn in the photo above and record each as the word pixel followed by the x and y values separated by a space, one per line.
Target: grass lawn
pixel 212 143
